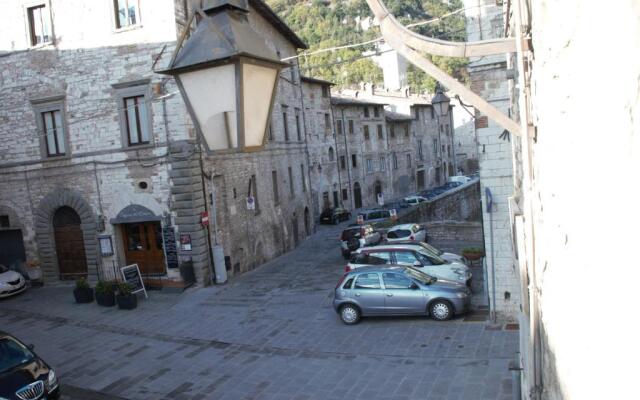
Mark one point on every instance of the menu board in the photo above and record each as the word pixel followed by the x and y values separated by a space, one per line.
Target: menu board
pixel 131 275
pixel 170 248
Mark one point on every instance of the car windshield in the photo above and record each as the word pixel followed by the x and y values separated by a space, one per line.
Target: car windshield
pixel 435 260
pixel 13 354
pixel 420 276
pixel 431 249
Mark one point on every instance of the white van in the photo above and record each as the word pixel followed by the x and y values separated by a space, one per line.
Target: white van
pixel 459 178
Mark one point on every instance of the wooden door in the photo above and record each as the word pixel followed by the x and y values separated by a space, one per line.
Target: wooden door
pixel 357 195
pixel 143 246
pixel 72 259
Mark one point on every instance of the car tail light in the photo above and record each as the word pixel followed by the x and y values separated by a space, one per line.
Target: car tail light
pixel 412 237
pixel 347 268
pixel 341 280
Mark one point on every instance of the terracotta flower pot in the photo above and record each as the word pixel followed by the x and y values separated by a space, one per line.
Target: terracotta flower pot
pixel 473 256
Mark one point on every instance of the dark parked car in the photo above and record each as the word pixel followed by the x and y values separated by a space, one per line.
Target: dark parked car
pixel 23 375
pixel 334 215
pixel 356 236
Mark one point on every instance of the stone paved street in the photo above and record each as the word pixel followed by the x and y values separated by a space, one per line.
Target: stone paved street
pixel 269 334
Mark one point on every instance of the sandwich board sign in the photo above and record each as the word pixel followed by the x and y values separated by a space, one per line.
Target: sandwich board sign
pixel 131 275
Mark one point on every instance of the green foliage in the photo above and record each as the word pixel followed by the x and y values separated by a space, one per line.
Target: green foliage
pixel 104 287
pixel 81 283
pixel 124 289
pixel 332 23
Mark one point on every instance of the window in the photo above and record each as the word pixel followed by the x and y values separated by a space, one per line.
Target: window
pixel 52 126
pixel 286 126
pixel 39 25
pixel 136 120
pixel 435 147
pixel 325 91
pixel 396 281
pixel 292 70
pixel 304 178
pixel 432 113
pixel 291 191
pixel 420 149
pixel 446 129
pixel 366 132
pixel 376 112
pixel 405 258
pixel 366 112
pixel 127 13
pixel 343 162
pixel 449 150
pixel 406 129
pixel 385 256
pixel 4 221
pixel 274 183
pixel 53 132
pixel 383 164
pixel 348 284
pixel 417 114
pixel 367 281
pixel 298 129
pixel 392 130
pixel 345 194
pixel 395 161
pixel 350 126
pixel 331 154
pixel 354 161
pixel 369 165
pixel 270 132
pixel 339 127
pixel 327 123
pixel 408 160
pixel 380 132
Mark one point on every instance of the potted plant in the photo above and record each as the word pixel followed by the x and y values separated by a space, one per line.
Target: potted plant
pixel 473 253
pixel 83 292
pixel 126 300
pixel 104 294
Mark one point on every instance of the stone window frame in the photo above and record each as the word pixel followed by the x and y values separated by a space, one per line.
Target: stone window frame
pixel 130 89
pixel 26 6
pixel 298 124
pixel 365 129
pixel 369 164
pixel 383 163
pixel 284 109
pixel 112 4
pixel 48 104
pixel 274 187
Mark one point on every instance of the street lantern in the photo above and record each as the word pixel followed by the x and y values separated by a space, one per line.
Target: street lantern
pixel 440 102
pixel 227 75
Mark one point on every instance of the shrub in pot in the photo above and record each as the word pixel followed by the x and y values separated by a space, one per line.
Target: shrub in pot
pixel 104 294
pixel 473 253
pixel 83 292
pixel 126 300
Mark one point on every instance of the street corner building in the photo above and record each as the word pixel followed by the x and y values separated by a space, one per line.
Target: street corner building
pixel 101 165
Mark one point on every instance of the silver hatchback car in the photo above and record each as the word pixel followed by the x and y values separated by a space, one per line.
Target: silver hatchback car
pixel 397 290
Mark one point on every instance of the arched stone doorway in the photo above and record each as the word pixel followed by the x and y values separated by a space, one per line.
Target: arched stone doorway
pixel 67 232
pixel 45 231
pixel 357 195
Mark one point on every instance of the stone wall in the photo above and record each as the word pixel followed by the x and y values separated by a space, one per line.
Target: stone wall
pixel 459 204
pixel 470 232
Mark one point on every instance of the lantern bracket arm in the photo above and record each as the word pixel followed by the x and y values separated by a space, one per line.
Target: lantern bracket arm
pixel 396 36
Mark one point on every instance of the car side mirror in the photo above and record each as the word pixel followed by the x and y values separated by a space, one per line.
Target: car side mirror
pixel 414 286
pixel 417 264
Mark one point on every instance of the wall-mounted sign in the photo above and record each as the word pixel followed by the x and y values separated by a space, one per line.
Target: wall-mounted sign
pixel 360 219
pixel 106 245
pixel 185 242
pixel 204 218
pixel 170 248
pixel 251 203
pixel 131 275
pixel 380 199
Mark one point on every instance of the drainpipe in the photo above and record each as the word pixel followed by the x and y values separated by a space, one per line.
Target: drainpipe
pixel 489 199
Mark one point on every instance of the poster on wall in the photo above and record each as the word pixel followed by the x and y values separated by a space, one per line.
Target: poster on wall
pixel 170 247
pixel 185 242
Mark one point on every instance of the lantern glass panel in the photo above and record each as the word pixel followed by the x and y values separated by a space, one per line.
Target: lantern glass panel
pixel 211 93
pixel 258 85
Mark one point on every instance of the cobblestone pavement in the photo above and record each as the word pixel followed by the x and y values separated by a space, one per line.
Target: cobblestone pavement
pixel 269 334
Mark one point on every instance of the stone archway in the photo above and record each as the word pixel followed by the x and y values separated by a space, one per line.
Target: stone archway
pixel 44 231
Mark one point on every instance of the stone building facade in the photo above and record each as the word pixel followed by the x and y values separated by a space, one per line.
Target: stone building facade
pixel 100 165
pixel 488 77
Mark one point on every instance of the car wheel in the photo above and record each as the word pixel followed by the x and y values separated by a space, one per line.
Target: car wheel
pixel 441 310
pixel 349 314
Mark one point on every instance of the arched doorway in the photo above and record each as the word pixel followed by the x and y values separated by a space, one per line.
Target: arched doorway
pixel 377 190
pixel 451 170
pixel 444 172
pixel 72 259
pixel 357 195
pixel 307 222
